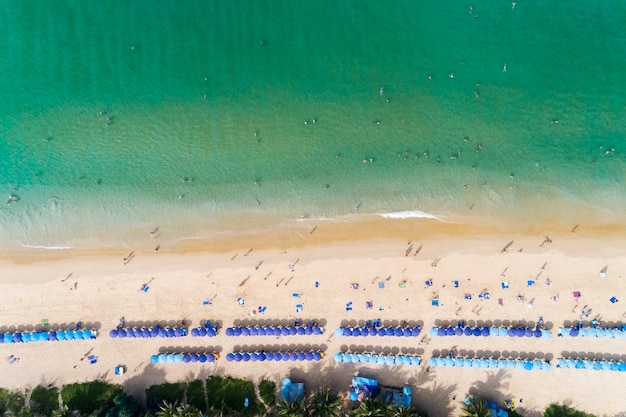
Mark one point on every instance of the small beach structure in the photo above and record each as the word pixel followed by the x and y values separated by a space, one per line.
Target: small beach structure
pixel 292 392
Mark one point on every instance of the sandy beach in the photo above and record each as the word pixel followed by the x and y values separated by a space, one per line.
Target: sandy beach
pixel 99 287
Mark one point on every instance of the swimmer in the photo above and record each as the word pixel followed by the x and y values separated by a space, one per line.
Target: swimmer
pixel 381 91
pixel 504 67
pixel 313 121
pixel 452 75
pixel 555 121
pixel 376 122
pixel 513 4
pixel 430 78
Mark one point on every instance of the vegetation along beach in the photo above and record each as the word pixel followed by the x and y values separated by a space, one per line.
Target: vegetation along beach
pixel 429 195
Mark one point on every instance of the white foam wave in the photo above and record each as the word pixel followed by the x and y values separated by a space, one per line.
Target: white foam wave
pixel 408 215
pixel 47 247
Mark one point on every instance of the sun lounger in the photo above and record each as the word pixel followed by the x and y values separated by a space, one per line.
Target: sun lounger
pixel 206 302
pixel 614 300
pixel 434 303
pixel 505 285
pixel 429 283
pixel 468 296
pixel 576 294
pixel 530 283
pixel 298 308
pixel 296 295
pixel 317 284
pixel 381 284
pixel 456 284
pixel 241 301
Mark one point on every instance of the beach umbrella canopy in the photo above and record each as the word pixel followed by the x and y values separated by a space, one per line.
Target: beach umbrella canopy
pixel 237 356
pixel 398 332
pixel 230 357
pixel 381 332
pixel 434 331
pixel 1 337
pixel 237 331
pixel 528 333
pixel 389 331
pixel 356 332
pixel 284 331
pixel 467 363
pixel 528 365
pixel 476 332
pixel 450 331
pixel 51 335
pixel 229 331
pixel 537 365
pixel 202 358
pixel 345 331
pixel 245 356
pixel 317 356
pixel 493 363
pixel 269 356
pixel 25 337
pixel 276 331
pixel 494 331
pixel 484 363
pixel 262 356
pixel 78 334
pixel 284 356
pixel 503 331
pixel 113 333
pixel 294 356
pixel 69 335
pixel 450 362
pixel 170 357
pixel 468 331
pixel 210 357
pixel 338 357
pixel 458 331
pixel 582 332
pixel 161 332
pixel 484 331
pixel 211 332
pixel 597 365
pixel 301 356
pixel 194 357
pixel 579 364
pixel 309 356
pixel 178 358
pixel 573 332
pixel 170 333
pixel 130 333
pixel 372 331
pixel 292 330
pixel 415 331
pixel 537 333
pixel 501 364
pixel 512 332
pixel 42 336
pixel 245 331
pixel 178 332
pixel 302 330
pixel 154 359
pixel 61 335
pixel 186 358
pixel 278 356
pixel 622 367
pixel 458 362
pixel 254 356
pixel 121 333
pixel 441 331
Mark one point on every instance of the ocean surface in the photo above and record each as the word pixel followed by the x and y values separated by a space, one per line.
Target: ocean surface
pixel 204 117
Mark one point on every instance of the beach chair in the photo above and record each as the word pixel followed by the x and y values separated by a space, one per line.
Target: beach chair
pixel 317 284
pixel 434 303
pixel 576 294
pixel 613 300
pixel 241 301
pixel 206 302
pixel 298 308
pixel 530 283
pixel 456 283
pixel 505 285
pixel 296 294
pixel 429 283
pixel 369 305
pixel 92 359
pixel 467 296
pixel 119 370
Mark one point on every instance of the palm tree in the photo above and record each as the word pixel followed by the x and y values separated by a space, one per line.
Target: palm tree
pixel 187 410
pixel 476 408
pixel 405 412
pixel 324 404
pixel 287 409
pixel 167 409
pixel 372 408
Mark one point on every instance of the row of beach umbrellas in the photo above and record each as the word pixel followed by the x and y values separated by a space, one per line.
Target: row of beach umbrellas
pixel 377 359
pixel 490 331
pixel 204 331
pixel 591 332
pixel 459 362
pixel 591 365
pixel 378 331
pixel 25 337
pixel 274 356
pixel 148 332
pixel 274 330
pixel 184 358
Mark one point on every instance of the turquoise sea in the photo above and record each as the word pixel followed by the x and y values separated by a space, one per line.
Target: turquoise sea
pixel 205 117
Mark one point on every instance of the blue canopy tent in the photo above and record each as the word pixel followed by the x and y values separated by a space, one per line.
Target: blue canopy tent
pixel 292 392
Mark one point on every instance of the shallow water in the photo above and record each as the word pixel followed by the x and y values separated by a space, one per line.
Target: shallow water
pixel 183 87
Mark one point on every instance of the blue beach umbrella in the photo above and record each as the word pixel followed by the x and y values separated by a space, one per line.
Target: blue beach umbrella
pixel 194 332
pixel 1 338
pixel 519 332
pixel 494 331
pixel 356 332
pixel 338 357
pixel 528 333
pixel 381 332
pixel 622 367
pixel 178 358
pixel 467 363
pixel 301 356
pixel 113 333
pixel 237 331
pixel 34 336
pixel 579 364
pixel 69 335
pixel 202 358
pixel 161 332
pixel 284 331
pixel 512 332
pixel 450 362
pixel 237 356
pixel 501 364
pixel 194 357
pixel 308 356
pixel 484 363
pixel 415 331
pixel 597 365
pixel 230 357
pixel 294 356
pixel 450 331
pixel 154 332
pixel 170 357
pixel 398 332
pixel 458 362
pixel 186 358
pixel 476 332
pixel 61 335
pixel 254 331
pixel 278 356
pixel 308 330
pixel 263 331
pixel 468 331
pixel 262 356
pixel 202 332
pixel 145 333
pixel 154 359
pixel 245 356
pixel 371 332
pixel 230 331
pixel 537 333
pixel 441 331
pixel 528 365
pixel 285 356
pixel 210 357
pixel 503 331
pixel 458 331
pixel 277 331
pixel 484 331
pixel 25 337
pixel 573 332
pixel 582 332
pixel 42 336
pixel 254 356
pixel 301 331
pixel 292 331
pixel 51 336
pixel 269 356
pixel 434 331
pixel 211 332
pixel 493 363
pixel 389 331
pixel 178 332
pixel 130 333
pixel 245 331
pixel 317 356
